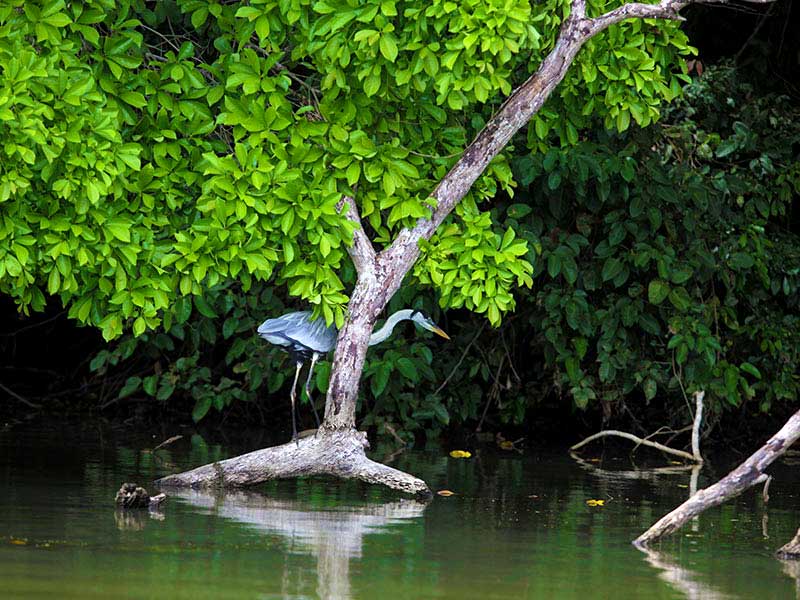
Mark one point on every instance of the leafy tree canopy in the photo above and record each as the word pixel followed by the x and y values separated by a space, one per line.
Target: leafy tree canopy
pixel 152 154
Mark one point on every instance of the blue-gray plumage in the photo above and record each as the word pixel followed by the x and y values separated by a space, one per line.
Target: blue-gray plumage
pixel 305 339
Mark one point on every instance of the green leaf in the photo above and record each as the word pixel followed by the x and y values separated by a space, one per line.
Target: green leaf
pixel 372 84
pixel 650 388
pixel 149 384
pixel 388 47
pixel 132 384
pixel 553 265
pixel 441 413
pixel 519 211
pixel 751 369
pixel 201 407
pixel 680 298
pixel 136 99
pixel 204 308
pixel 740 260
pixel 380 378
pixel 657 291
pixel 119 230
pixel 408 369
pixel 611 268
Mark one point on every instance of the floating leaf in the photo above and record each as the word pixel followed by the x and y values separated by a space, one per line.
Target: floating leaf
pixel 460 454
pixel 596 502
pixel 446 493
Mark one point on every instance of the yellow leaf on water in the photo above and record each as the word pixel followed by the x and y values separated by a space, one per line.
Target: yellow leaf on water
pixel 595 502
pixel 506 445
pixel 445 493
pixel 460 454
pixel 19 542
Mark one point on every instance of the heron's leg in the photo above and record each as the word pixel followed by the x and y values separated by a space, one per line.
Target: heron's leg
pixel 292 396
pixel 314 359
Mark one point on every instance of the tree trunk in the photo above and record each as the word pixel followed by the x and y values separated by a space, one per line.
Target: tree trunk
pixel 348 360
pixel 380 275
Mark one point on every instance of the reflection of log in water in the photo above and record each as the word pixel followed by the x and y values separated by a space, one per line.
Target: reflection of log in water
pixel 792 569
pixel 334 535
pixel 681 579
pixel 135 520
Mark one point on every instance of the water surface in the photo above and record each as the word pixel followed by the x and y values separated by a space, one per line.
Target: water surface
pixel 518 526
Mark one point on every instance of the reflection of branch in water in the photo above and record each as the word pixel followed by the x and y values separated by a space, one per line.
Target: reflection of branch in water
pixel 646 474
pixel 334 535
pixel 679 578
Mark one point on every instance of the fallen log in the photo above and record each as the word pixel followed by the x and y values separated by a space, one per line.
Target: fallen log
pixel 746 475
pixel 333 453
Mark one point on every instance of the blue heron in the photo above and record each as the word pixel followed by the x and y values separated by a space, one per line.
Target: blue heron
pixel 305 339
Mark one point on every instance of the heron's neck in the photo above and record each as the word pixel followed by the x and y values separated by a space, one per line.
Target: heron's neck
pixel 385 331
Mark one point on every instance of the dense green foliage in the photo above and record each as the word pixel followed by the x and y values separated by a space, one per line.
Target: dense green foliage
pixel 151 156
pixel 670 256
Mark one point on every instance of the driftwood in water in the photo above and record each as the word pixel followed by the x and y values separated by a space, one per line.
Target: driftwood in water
pixel 694 456
pixel 749 473
pixel 131 495
pixel 335 453
pixel 790 550
pixel 634 438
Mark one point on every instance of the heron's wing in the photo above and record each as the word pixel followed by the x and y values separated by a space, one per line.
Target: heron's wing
pixel 297 328
pixel 280 324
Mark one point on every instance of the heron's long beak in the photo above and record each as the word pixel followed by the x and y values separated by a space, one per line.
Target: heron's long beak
pixel 440 332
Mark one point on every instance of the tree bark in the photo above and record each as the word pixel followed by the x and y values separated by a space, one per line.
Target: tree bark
pixel 749 473
pixel 381 274
pixel 791 549
pixel 334 453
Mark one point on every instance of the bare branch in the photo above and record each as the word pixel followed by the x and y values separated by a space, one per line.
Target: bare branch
pixel 666 9
pixel 698 419
pixel 14 394
pixel 634 438
pixel 362 252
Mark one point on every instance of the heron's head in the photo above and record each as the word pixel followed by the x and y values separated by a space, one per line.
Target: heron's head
pixel 428 324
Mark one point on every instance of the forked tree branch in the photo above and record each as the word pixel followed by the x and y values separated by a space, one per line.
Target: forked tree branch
pixel 361 251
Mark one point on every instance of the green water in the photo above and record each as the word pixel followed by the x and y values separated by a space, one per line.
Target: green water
pixel 518 526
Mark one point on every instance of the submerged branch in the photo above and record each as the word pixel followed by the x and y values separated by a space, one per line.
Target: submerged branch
pixel 22 399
